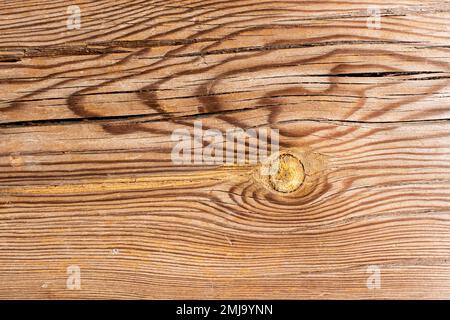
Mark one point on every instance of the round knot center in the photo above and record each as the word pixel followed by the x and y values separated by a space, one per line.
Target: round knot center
pixel 287 173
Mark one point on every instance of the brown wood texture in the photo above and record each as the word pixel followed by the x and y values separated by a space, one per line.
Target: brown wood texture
pixel 86 176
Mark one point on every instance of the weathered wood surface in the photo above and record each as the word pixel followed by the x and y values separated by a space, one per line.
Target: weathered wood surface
pixel 86 176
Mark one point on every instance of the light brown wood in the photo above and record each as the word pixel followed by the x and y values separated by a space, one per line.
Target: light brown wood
pixel 87 179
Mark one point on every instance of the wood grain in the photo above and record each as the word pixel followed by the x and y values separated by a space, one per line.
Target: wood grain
pixel 86 176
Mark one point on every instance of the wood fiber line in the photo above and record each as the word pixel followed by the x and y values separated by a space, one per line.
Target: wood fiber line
pixel 87 178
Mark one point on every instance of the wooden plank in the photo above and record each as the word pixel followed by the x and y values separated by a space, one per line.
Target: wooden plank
pixel 88 181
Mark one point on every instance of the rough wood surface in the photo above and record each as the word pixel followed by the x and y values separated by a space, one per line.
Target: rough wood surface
pixel 86 176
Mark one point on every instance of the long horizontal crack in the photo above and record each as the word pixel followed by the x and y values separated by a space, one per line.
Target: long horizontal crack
pixel 91 48
pixel 147 118
pixel 285 46
pixel 109 47
pixel 376 74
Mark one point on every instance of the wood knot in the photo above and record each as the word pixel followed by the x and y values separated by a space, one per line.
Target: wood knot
pixel 16 161
pixel 286 173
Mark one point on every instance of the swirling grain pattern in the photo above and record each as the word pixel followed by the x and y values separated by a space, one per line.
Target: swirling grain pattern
pixel 86 176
